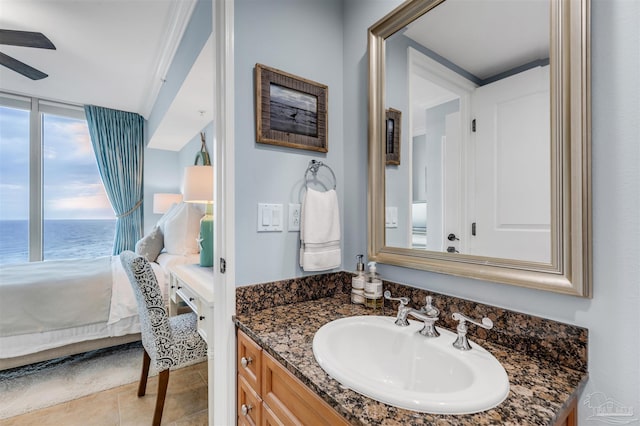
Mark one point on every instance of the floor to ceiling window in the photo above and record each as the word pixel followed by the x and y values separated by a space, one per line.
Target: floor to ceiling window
pixel 14 193
pixel 52 202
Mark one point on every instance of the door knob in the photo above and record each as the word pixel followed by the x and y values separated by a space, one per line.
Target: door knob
pixel 452 237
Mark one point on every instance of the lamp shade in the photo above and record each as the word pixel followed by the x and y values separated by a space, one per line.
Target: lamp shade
pixel 162 202
pixel 198 184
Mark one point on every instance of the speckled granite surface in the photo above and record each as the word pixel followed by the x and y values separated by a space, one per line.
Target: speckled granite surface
pixel 546 360
pixel 261 296
pixel 557 342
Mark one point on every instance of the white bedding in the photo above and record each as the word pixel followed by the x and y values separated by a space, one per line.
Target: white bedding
pixel 123 316
pixel 53 295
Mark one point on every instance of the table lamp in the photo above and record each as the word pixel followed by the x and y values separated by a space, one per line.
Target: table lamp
pixel 198 188
pixel 162 202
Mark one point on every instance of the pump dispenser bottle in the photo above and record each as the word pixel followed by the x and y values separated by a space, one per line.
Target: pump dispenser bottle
pixel 357 283
pixel 373 288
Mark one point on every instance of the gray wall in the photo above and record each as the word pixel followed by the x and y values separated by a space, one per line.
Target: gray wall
pixel 612 316
pixel 304 38
pixel 163 171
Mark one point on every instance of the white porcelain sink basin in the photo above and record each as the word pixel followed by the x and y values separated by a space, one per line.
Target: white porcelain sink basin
pixel 398 366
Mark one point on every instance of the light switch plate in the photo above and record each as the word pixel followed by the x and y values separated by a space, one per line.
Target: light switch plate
pixel 294 217
pixel 269 217
pixel 391 217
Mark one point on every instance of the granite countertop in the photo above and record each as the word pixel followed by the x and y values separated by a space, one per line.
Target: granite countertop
pixel 540 389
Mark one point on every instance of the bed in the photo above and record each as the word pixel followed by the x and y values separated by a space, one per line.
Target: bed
pixel 62 307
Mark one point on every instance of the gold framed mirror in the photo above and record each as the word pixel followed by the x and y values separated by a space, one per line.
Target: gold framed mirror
pixel 507 202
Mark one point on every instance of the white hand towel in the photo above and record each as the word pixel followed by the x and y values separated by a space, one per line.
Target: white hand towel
pixel 320 231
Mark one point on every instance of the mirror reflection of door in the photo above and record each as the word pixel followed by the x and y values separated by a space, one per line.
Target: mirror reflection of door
pixel 512 168
pixel 489 187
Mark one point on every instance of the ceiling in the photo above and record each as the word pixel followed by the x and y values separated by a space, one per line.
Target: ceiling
pixel 485 38
pixel 111 53
pixel 191 109
pixel 482 39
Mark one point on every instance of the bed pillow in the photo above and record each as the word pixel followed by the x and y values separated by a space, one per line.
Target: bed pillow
pixel 182 229
pixel 151 244
pixel 168 215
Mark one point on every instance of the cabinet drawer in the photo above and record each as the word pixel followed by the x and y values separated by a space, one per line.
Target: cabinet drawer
pixel 249 404
pixel 202 321
pixel 249 360
pixel 290 400
pixel 173 287
pixel 188 296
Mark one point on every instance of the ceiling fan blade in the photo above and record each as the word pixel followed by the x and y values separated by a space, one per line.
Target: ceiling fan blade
pixel 21 67
pixel 25 39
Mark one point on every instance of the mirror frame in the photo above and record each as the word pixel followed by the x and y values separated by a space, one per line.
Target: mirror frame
pixel 569 271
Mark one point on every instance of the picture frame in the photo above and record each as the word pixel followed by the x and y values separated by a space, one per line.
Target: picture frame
pixel 393 123
pixel 291 111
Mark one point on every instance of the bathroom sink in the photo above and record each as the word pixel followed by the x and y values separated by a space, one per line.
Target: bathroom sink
pixel 398 366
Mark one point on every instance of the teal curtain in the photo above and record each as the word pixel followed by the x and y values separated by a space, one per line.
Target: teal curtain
pixel 118 142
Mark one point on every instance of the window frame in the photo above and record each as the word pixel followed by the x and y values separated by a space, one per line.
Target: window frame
pixel 37 107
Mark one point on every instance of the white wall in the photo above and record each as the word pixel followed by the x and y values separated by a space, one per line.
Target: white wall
pixel 304 38
pixel 613 315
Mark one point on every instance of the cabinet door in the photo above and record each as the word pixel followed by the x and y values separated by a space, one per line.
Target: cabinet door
pixel 290 400
pixel 270 419
pixel 249 404
pixel 249 360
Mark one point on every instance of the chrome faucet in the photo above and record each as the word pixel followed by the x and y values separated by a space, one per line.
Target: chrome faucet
pixel 462 342
pixel 428 314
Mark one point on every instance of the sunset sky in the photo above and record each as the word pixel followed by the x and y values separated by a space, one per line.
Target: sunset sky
pixel 72 189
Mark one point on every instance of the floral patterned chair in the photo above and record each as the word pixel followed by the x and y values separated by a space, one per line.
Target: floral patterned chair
pixel 168 341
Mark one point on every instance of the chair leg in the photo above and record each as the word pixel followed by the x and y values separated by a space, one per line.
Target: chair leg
pixel 163 382
pixel 146 361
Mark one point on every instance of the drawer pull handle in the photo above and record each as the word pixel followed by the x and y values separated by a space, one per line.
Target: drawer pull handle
pixel 201 317
pixel 191 299
pixel 245 361
pixel 179 287
pixel 245 409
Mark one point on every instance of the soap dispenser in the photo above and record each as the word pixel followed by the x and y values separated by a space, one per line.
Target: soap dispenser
pixel 373 288
pixel 357 283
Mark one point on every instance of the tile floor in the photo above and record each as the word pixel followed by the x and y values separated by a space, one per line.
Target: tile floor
pixel 186 404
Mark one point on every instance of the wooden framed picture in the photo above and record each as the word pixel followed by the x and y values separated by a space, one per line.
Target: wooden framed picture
pixel 392 139
pixel 290 111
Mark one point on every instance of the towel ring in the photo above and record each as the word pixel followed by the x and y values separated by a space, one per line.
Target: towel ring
pixel 314 166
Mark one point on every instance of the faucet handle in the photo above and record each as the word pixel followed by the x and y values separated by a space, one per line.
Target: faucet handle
pixel 403 300
pixel 486 322
pixel 403 311
pixel 462 342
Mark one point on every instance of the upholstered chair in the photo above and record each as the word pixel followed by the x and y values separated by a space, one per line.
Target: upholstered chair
pixel 168 342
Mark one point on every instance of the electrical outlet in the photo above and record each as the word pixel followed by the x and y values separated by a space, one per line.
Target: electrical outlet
pixel 294 217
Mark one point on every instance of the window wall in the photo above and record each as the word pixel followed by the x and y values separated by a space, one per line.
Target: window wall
pixel 52 201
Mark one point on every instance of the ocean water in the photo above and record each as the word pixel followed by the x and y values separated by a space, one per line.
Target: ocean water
pixel 63 239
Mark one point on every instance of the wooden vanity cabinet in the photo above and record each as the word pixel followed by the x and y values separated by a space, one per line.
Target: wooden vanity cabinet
pixel 570 416
pixel 269 395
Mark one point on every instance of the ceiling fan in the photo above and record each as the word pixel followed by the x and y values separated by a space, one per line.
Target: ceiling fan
pixel 24 39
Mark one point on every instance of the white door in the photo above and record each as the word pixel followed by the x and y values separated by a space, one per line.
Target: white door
pixel 512 168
